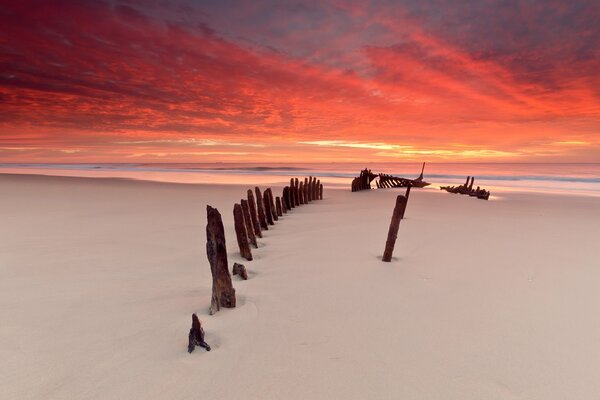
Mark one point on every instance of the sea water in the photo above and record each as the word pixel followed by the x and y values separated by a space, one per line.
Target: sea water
pixel 571 178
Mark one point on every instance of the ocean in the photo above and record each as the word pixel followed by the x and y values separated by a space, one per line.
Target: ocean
pixel 571 178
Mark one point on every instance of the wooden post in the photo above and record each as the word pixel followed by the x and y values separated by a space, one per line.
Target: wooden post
pixel 272 204
pixel 249 226
pixel 253 215
pixel 394 225
pixel 240 232
pixel 407 194
pixel 196 335
pixel 262 219
pixel 286 197
pixel 240 269
pixel 320 191
pixel 301 193
pixel 296 192
pixel 291 194
pixel 278 206
pixel 309 188
pixel 267 207
pixel 223 293
pixel 306 199
pixel 314 188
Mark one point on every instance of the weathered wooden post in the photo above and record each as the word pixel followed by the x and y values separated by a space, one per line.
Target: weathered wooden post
pixel 306 199
pixel 267 208
pixel 223 293
pixel 248 221
pixel 196 335
pixel 241 232
pixel 301 193
pixel 291 194
pixel 240 269
pixel 296 192
pixel 272 205
pixel 286 197
pixel 394 225
pixel 262 219
pixel 407 194
pixel 278 206
pixel 320 191
pixel 309 189
pixel 253 215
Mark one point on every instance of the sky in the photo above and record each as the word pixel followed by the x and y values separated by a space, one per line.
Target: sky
pixel 274 81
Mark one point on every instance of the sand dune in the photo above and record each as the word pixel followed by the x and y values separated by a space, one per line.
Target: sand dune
pixel 484 300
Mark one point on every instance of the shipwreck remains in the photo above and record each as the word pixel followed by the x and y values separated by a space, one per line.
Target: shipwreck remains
pixel 384 181
pixel 467 188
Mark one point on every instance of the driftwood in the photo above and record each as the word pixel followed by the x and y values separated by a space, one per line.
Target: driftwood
pixel 196 335
pixel 253 215
pixel 394 225
pixel 260 204
pixel 278 206
pixel 272 205
pixel 223 293
pixel 240 269
pixel 241 232
pixel 248 222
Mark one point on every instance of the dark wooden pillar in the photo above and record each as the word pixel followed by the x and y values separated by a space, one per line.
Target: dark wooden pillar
pixel 223 293
pixel 260 204
pixel 253 214
pixel 249 223
pixel 240 232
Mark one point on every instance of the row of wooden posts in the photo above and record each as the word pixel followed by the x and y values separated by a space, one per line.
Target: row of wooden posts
pixel 251 217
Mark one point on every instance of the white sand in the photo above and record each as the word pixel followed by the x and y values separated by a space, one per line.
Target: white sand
pixel 485 300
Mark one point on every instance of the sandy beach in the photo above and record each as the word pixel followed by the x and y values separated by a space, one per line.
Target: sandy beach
pixel 483 300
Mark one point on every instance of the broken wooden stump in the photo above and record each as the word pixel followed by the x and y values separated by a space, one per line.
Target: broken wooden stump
pixel 241 232
pixel 253 214
pixel 248 222
pixel 240 269
pixel 196 335
pixel 394 225
pixel 223 293
pixel 260 204
pixel 278 206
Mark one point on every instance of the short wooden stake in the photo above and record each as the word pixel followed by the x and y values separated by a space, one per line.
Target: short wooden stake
pixel 196 335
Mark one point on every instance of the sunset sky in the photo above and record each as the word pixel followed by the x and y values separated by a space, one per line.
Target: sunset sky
pixel 271 81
